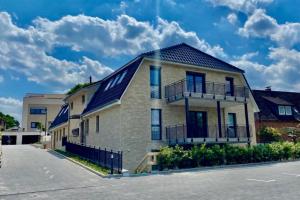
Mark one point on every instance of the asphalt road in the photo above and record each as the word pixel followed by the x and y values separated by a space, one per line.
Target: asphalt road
pixel 30 173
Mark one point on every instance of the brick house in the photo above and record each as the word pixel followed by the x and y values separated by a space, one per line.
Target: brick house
pixel 175 95
pixel 278 109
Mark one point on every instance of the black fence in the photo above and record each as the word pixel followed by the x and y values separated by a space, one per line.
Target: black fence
pixel 102 157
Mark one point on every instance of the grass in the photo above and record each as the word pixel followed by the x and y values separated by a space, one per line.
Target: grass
pixel 87 163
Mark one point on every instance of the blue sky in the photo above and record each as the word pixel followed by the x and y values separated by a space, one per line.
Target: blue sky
pixel 48 46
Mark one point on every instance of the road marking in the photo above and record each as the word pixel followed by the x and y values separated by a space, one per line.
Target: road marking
pixel 290 174
pixel 258 180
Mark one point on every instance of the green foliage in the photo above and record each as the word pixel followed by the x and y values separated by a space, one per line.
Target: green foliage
pixel 269 134
pixel 40 126
pixel 177 157
pixel 9 120
pixel 77 87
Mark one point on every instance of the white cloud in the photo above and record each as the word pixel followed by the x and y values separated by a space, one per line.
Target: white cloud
pixel 261 25
pixel 11 106
pixel 232 18
pixel 282 74
pixel 245 6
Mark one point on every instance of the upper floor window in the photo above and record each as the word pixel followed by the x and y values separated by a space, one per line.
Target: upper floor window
pixel 83 99
pixel 122 77
pixel 108 84
pixel 195 82
pixel 38 111
pixel 87 125
pixel 285 110
pixel 229 87
pixel 34 124
pixel 71 105
pixel 156 124
pixel 155 82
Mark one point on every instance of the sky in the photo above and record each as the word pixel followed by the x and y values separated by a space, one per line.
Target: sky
pixel 48 46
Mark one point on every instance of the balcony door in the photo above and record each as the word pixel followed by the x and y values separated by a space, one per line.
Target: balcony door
pixel 231 128
pixel 197 126
pixel 195 82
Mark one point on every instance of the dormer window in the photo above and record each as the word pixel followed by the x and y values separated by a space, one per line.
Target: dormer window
pixel 285 110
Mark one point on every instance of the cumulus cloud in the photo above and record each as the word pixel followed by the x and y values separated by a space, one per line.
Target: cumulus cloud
pixel 11 106
pixel 261 25
pixel 232 18
pixel 282 74
pixel 245 6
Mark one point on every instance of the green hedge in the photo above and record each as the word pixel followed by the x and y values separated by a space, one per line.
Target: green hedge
pixel 176 157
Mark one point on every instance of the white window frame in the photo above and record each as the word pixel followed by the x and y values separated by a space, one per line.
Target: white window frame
pixel 288 110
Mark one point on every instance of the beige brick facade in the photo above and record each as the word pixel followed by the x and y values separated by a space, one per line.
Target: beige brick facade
pixel 127 127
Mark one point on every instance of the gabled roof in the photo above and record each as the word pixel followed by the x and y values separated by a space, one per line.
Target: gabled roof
pixel 180 53
pixel 268 102
pixel 186 54
pixel 61 117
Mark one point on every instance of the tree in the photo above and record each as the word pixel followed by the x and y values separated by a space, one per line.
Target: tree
pixel 9 120
pixel 269 134
pixel 77 87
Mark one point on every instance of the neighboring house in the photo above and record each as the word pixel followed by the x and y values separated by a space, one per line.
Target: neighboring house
pixel 175 95
pixel 68 121
pixel 2 125
pixel 277 109
pixel 40 108
pixel 59 127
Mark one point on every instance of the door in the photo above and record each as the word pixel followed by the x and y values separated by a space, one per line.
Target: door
pixel 231 125
pixel 197 126
pixel 82 134
pixel 229 89
pixel 195 82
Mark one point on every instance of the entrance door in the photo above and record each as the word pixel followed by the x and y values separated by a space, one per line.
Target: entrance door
pixel 82 134
pixel 231 129
pixel 197 126
pixel 195 82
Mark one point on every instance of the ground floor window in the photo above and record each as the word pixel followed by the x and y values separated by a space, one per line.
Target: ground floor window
pixel 156 124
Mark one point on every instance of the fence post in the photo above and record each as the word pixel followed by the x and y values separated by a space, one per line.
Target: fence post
pixel 105 157
pixel 111 162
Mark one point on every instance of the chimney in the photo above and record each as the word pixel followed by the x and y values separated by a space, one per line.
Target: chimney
pixel 91 80
pixel 268 88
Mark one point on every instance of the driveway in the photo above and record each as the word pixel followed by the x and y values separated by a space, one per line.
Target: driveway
pixel 30 173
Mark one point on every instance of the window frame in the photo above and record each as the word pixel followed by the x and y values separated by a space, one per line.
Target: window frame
pixel 158 69
pixel 194 82
pixel 122 77
pixel 290 109
pixel 83 99
pixel 38 113
pixel 231 86
pixel 33 123
pixel 156 125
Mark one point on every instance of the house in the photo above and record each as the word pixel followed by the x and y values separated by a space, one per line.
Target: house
pixel 278 109
pixel 175 95
pixel 40 109
pixel 68 120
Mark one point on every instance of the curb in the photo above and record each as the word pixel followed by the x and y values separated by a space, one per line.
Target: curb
pixel 233 166
pixel 84 166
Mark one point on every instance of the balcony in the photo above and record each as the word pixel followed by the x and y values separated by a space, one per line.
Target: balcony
pixel 178 134
pixel 210 90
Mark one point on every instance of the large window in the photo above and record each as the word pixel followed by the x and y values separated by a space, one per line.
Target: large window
pixel 285 110
pixel 156 124
pixel 97 124
pixel 155 82
pixel 38 111
pixel 195 82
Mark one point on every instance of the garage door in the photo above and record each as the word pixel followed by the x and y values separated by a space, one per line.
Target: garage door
pixel 7 140
pixel 30 139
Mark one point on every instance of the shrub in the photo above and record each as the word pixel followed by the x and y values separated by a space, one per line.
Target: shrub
pixel 164 158
pixel 269 134
pixel 197 154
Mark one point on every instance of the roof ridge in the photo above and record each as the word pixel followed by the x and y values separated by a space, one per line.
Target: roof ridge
pixel 164 48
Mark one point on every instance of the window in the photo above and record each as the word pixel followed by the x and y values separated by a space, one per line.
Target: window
pixel 285 110
pixel 97 124
pixel 108 84
pixel 122 77
pixel 34 124
pixel 195 82
pixel 71 106
pixel 86 128
pixel 115 81
pixel 38 111
pixel 83 99
pixel 155 82
pixel 229 88
pixel 155 124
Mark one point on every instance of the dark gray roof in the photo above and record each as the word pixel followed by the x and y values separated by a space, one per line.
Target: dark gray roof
pixel 186 54
pixel 180 53
pixel 268 102
pixel 61 117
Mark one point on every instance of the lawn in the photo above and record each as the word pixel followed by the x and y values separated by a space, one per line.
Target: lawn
pixel 87 163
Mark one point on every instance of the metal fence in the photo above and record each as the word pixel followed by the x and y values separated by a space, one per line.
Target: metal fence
pixel 102 157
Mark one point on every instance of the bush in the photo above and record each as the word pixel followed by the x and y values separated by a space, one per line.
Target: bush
pixel 269 134
pixel 177 157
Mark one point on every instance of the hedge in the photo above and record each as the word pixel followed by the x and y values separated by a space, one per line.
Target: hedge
pixel 177 157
